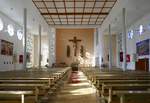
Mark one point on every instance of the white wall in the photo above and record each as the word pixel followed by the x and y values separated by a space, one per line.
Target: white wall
pixel 103 48
pixel 44 50
pixel 47 49
pixel 131 43
pixel 95 48
pixel 17 48
pixel 136 15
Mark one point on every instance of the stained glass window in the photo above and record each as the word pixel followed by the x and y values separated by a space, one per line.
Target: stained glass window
pixel 10 30
pixel 1 25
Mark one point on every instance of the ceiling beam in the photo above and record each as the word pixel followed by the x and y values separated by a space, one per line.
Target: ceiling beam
pixel 94 13
pixel 72 1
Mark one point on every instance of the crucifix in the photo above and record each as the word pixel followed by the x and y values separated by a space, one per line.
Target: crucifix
pixel 75 44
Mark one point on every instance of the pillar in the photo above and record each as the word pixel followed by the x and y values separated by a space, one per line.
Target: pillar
pixel 25 37
pixel 110 48
pixel 39 46
pixel 124 38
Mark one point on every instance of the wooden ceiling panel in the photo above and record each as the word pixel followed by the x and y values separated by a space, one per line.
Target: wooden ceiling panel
pixel 70 16
pixel 52 10
pixel 79 9
pixel 59 4
pixel 46 16
pixel 62 16
pixel 69 4
pixel 55 16
pixel 92 22
pixel 78 16
pixel 57 22
pixel 39 4
pixel 71 20
pixel 64 20
pixel 50 4
pixel 79 22
pixel 106 10
pixel 94 16
pixel 109 4
pixel 89 4
pixel 99 4
pixel 88 10
pixel 59 12
pixel 79 4
pixel 97 9
pixel 85 22
pixel 86 16
pixel 70 10
pixel 43 10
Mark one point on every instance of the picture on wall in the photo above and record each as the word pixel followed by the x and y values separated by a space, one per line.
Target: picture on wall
pixel 20 59
pixel 121 56
pixel 142 48
pixel 6 48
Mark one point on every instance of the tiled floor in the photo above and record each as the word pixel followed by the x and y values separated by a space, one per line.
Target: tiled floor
pixel 81 92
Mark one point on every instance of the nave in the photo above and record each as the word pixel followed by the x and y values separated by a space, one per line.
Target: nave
pixel 87 85
pixel 78 90
pixel 74 51
pixel 58 85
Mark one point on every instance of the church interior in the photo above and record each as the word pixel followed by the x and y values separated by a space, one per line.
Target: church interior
pixel 74 51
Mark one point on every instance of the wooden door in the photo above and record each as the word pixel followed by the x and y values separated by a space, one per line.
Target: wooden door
pixel 142 64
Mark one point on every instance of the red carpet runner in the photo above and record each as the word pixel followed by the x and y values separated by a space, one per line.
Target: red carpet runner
pixel 74 78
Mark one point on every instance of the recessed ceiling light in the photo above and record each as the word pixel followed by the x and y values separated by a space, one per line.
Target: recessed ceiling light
pixel 10 29
pixel 1 25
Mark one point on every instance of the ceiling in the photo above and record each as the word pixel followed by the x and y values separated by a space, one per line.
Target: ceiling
pixel 135 10
pixel 13 9
pixel 74 12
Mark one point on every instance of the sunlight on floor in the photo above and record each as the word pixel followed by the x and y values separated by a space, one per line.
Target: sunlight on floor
pixel 83 87
pixel 83 91
pixel 77 92
pixel 80 84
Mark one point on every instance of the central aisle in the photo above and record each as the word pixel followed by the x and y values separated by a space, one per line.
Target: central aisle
pixel 77 90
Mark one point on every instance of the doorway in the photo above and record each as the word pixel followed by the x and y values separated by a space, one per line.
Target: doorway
pixel 142 65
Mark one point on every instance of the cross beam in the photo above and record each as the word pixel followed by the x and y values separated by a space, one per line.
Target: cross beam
pixel 79 13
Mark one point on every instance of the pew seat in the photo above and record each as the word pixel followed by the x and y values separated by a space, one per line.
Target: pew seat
pixel 20 93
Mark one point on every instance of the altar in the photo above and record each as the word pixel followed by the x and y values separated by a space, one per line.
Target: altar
pixel 75 66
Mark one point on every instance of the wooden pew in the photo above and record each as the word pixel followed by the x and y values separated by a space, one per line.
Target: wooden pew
pixel 115 89
pixel 31 80
pixel 21 93
pixel 35 88
pixel 123 93
pixel 117 80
